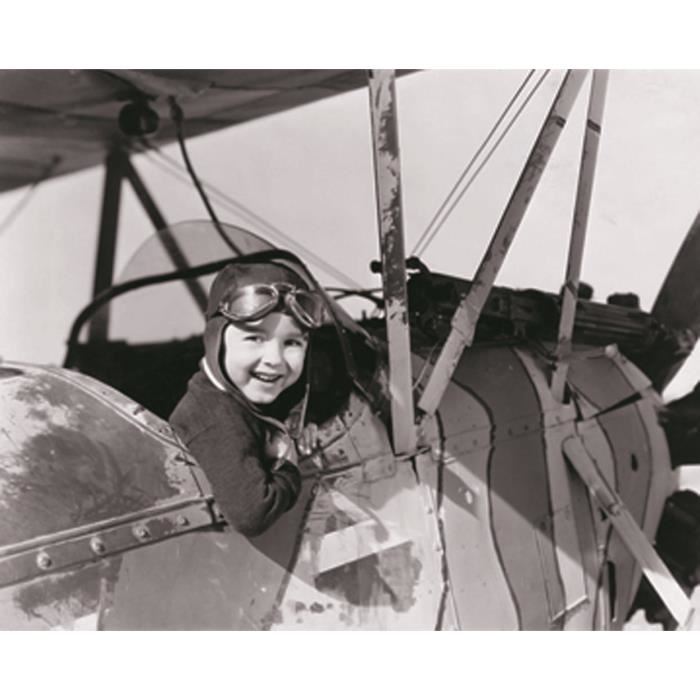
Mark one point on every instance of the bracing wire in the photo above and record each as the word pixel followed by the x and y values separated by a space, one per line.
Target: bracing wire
pixel 178 118
pixel 174 169
pixel 488 156
pixel 470 164
pixel 31 191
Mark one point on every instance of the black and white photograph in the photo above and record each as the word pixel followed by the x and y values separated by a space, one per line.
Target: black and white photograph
pixel 407 348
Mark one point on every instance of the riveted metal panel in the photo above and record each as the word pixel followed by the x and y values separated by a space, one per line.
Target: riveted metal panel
pixel 216 579
pixel 71 456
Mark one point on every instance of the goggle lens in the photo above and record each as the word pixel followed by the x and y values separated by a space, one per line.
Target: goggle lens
pixel 252 302
pixel 306 305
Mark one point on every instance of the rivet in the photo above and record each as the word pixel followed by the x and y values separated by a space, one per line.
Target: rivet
pixel 142 532
pixel 44 561
pixel 183 520
pixel 97 545
pixel 468 497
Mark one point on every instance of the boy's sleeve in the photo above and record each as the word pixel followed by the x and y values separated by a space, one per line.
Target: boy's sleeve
pixel 250 496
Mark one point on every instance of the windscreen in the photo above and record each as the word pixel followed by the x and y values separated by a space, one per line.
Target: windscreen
pixel 173 310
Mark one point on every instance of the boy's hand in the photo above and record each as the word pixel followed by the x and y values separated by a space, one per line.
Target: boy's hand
pixel 308 441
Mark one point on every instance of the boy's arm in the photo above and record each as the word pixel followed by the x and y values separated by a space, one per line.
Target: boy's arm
pixel 250 496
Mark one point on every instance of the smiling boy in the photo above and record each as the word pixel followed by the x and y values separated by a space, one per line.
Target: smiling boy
pixel 236 415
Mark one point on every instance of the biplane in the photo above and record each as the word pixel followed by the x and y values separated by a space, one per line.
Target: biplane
pixel 489 458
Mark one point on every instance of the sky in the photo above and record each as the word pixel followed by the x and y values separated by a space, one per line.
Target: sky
pixel 308 172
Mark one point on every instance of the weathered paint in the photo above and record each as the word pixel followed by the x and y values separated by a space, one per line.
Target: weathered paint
pixel 390 575
pixel 468 312
pixel 70 457
pixel 82 469
pixel 387 169
pixel 62 600
pixel 485 530
pixel 216 579
pixel 589 156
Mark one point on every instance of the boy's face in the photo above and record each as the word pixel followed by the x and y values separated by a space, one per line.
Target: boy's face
pixel 265 357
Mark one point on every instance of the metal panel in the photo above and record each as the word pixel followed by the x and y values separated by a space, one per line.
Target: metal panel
pixel 467 314
pixel 387 168
pixel 480 591
pixel 633 536
pixel 73 456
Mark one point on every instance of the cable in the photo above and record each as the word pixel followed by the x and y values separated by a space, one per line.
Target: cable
pixel 31 191
pixel 178 117
pixel 235 207
pixel 473 159
pixel 483 164
pixel 426 364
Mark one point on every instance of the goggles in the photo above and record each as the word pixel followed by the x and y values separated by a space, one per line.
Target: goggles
pixel 254 301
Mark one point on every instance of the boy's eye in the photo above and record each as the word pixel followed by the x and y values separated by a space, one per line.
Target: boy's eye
pixel 296 342
pixel 254 338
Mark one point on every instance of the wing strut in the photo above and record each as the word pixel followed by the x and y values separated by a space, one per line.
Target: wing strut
pixel 119 167
pixel 467 313
pixel 658 575
pixel 387 171
pixel 107 242
pixel 589 156
pixel 173 250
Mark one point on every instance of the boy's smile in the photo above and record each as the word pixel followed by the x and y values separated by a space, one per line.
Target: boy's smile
pixel 265 357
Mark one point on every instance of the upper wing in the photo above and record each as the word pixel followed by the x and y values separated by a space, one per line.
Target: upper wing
pixel 70 116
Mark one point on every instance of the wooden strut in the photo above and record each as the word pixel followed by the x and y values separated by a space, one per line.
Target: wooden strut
pixel 656 572
pixel 387 170
pixel 107 241
pixel 170 244
pixel 467 313
pixel 118 168
pixel 589 155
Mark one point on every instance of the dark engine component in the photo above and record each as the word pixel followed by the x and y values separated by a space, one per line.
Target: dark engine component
pixel 678 544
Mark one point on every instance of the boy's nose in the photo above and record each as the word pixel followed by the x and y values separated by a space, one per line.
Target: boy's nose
pixel 272 353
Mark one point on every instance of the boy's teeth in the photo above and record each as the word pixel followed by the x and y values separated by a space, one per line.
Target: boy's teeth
pixel 266 377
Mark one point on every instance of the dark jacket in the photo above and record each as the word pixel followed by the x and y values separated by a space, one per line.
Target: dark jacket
pixel 228 441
